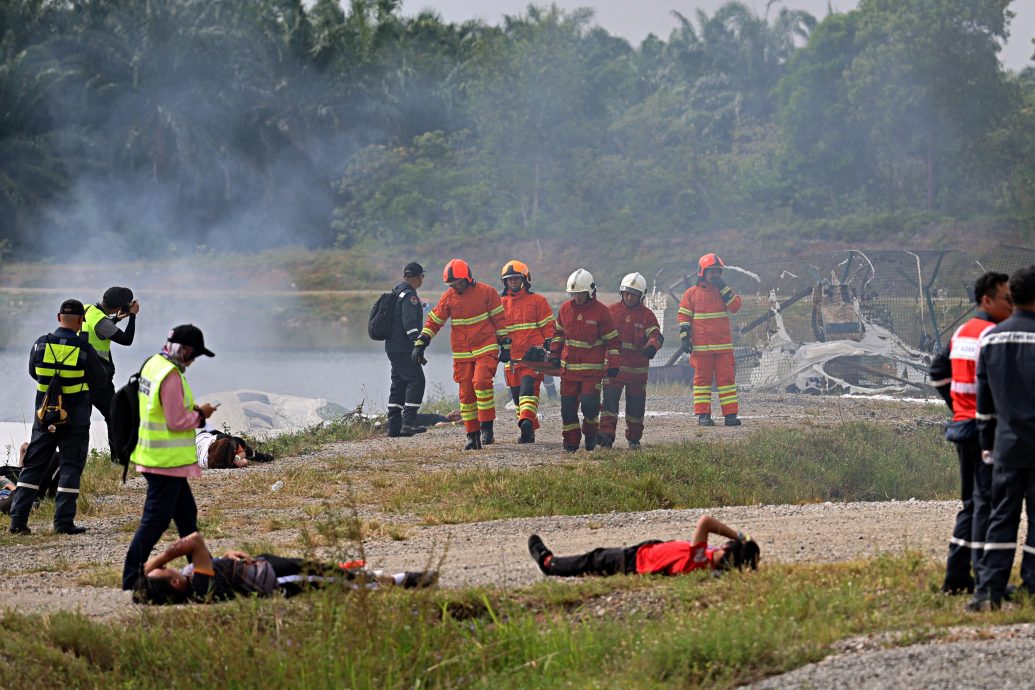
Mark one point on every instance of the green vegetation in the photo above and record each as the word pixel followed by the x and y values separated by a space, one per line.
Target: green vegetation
pixel 279 122
pixel 631 632
pixel 854 461
pixel 350 427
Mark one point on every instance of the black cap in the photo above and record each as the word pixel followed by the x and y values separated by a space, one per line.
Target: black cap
pixel 117 297
pixel 189 334
pixel 412 270
pixel 72 307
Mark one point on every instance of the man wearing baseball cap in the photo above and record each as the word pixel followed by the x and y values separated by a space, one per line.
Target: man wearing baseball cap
pixel 407 391
pixel 165 453
pixel 66 368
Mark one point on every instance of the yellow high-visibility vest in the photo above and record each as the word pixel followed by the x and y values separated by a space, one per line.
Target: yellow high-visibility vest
pixel 158 445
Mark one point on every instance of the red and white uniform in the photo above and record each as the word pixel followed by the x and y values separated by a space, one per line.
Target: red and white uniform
pixel 964 349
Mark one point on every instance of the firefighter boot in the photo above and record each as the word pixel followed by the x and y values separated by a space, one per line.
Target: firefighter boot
pixel 474 440
pixel 605 440
pixel 634 445
pixel 591 441
pixel 488 438
pixel 705 420
pixel 732 420
pixel 527 431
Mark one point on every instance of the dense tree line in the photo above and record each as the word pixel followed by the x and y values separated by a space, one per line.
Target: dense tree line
pixel 160 124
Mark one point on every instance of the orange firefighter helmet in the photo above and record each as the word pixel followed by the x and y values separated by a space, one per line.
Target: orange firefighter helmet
pixel 516 269
pixel 709 261
pixel 455 270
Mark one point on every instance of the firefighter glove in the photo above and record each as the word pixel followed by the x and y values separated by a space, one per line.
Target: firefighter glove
pixel 685 344
pixel 612 373
pixel 418 354
pixel 718 282
pixel 504 350
pixel 650 351
pixel 547 343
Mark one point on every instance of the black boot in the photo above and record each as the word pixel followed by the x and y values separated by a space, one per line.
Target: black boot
pixel 527 432
pixel 410 427
pixel 732 420
pixel 488 438
pixel 606 440
pixel 539 553
pixel 474 441
pixel 412 430
pixel 591 441
pixel 705 420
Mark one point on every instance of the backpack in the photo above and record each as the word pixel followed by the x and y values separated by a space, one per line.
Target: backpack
pixel 52 413
pixel 124 422
pixel 379 326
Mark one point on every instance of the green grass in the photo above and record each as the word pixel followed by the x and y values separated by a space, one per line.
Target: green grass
pixel 630 632
pixel 855 461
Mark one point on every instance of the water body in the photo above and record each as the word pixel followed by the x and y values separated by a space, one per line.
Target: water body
pixel 345 378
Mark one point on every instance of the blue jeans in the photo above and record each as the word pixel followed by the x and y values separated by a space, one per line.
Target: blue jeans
pixel 168 499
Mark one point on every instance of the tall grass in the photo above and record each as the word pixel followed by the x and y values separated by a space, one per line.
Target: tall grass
pixel 674 632
pixel 852 462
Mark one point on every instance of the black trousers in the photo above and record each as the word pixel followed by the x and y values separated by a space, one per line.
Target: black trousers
pixel 1010 488
pixel 967 544
pixel 168 499
pixel 407 391
pixel 101 399
pixel 602 561
pixel 74 444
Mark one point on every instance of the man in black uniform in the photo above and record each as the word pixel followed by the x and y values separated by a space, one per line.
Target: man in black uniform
pixel 66 355
pixel 407 390
pixel 1006 428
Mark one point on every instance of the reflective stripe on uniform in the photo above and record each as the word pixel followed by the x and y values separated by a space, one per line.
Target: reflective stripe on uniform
pixel 28 486
pixel 709 315
pixel 960 387
pixel 713 348
pixel 476 353
pixel 581 344
pixel 64 490
pixel 968 544
pixel 471 320
pixel 1000 546
pixel 582 367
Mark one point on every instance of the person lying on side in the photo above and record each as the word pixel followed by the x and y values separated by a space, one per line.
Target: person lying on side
pixel 206 579
pixel 217 451
pixel 655 557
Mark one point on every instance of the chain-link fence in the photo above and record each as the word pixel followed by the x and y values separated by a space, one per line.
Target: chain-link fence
pixel 847 321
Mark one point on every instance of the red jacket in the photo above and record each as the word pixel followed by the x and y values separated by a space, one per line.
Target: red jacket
pixel 637 328
pixel 586 340
pixel 530 319
pixel 477 318
pixel 707 311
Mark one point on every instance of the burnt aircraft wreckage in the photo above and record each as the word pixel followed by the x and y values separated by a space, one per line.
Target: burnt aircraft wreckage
pixel 850 321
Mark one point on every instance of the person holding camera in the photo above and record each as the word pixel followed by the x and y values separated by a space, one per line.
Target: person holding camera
pixel 66 368
pixel 99 327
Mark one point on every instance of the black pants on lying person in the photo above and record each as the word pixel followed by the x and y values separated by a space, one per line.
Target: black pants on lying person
pixel 168 499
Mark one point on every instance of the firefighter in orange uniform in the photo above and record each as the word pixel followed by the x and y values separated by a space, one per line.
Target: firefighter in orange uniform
pixel 641 338
pixel 479 340
pixel 705 333
pixel 585 346
pixel 531 327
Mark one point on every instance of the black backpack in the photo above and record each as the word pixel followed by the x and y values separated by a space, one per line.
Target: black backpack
pixel 124 422
pixel 379 327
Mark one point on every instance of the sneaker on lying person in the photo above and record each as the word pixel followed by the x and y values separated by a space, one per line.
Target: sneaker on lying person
pixel 419 579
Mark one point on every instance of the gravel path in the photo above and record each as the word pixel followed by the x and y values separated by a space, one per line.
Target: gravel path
pixel 965 658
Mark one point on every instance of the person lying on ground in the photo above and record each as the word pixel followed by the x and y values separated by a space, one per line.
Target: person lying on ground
pixel 656 557
pixel 206 579
pixel 217 450
pixel 48 484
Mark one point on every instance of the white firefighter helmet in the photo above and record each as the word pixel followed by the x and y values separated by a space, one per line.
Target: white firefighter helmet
pixel 634 281
pixel 581 281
